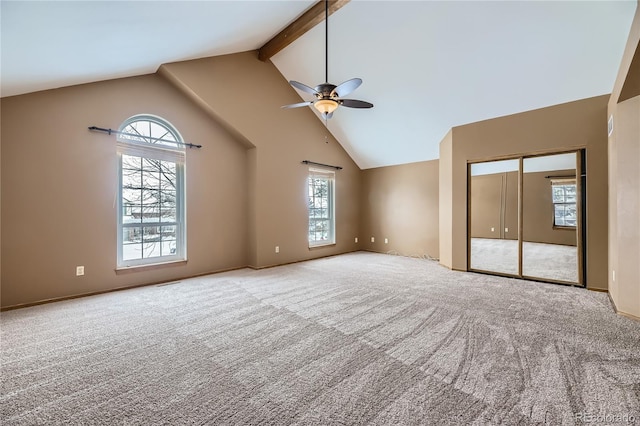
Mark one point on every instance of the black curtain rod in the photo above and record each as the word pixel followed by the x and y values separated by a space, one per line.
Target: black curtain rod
pixel 320 164
pixel 561 177
pixel 109 131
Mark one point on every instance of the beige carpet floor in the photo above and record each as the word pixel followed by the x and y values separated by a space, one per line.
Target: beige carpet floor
pixel 361 338
pixel 545 261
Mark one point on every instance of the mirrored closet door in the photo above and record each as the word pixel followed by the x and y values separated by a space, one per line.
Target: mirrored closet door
pixel 525 217
pixel 550 218
pixel 493 218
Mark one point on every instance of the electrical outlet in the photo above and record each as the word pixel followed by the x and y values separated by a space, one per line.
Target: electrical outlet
pixel 386 241
pixel 493 229
pixel 506 229
pixel 356 239
pixel 79 270
pixel 277 249
pixel 373 239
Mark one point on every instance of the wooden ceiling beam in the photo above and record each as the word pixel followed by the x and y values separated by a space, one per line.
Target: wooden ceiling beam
pixel 309 19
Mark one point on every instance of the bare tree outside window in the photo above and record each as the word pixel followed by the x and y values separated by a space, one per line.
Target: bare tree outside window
pixel 149 203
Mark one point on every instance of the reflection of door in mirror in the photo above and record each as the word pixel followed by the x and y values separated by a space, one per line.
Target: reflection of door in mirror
pixel 493 216
pixel 550 206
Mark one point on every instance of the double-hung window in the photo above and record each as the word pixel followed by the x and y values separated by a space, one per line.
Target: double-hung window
pixel 321 192
pixel 151 199
pixel 565 213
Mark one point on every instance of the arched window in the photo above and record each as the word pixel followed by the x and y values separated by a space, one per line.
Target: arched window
pixel 151 211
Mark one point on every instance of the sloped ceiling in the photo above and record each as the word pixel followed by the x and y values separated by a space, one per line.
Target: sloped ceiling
pixel 49 44
pixel 427 66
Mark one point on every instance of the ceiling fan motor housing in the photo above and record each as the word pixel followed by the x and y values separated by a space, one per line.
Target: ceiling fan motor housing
pixel 325 91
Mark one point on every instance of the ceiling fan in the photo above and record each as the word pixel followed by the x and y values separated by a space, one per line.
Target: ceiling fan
pixel 329 96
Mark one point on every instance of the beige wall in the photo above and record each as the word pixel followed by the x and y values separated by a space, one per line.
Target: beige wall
pixel 494 206
pixel 562 127
pixel 400 203
pixel 60 183
pixel 0 203
pixel 445 197
pixel 246 94
pixel 624 180
pixel 246 188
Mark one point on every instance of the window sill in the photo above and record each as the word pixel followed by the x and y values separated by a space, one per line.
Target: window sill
pixel 570 228
pixel 149 267
pixel 316 246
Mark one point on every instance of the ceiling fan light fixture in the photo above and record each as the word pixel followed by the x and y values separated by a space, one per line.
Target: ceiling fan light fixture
pixel 326 106
pixel 328 95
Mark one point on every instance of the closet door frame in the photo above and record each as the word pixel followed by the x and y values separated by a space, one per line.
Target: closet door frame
pixel 580 205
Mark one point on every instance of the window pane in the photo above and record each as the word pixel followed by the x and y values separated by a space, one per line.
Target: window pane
pixel 151 165
pixel 169 232
pixel 565 215
pixel 559 215
pixel 558 193
pixel 168 246
pixel 569 193
pixel 151 241
pixel 131 180
pixel 131 162
pixel 169 167
pixel 570 215
pixel 151 179
pixel 132 247
pixel 167 179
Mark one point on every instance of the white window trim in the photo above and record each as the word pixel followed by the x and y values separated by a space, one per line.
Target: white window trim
pixel 331 176
pixel 164 153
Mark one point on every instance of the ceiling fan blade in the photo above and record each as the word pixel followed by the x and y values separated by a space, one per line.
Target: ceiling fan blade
pixel 303 87
pixel 298 105
pixel 347 87
pixel 353 103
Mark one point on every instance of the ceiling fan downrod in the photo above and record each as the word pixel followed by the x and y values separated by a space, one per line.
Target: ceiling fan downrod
pixel 326 41
pixel 329 96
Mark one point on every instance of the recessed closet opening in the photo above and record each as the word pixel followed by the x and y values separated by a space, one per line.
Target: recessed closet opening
pixel 526 217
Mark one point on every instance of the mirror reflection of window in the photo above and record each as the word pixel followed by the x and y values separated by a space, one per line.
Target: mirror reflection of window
pixel 565 209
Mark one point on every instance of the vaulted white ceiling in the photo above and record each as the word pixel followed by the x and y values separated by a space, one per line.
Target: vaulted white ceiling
pixel 427 66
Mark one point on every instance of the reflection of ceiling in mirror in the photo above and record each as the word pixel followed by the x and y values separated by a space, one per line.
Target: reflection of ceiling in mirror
pixel 547 163
pixel 493 167
pixel 550 163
